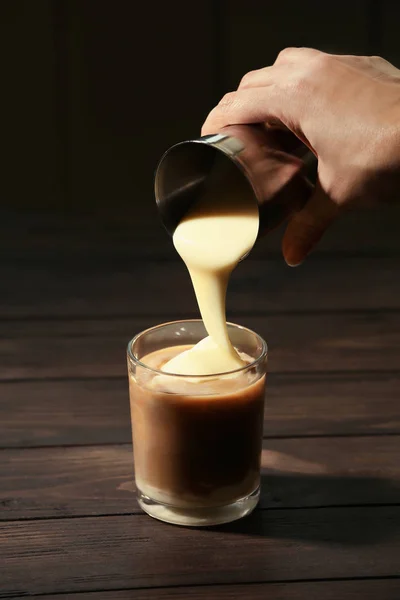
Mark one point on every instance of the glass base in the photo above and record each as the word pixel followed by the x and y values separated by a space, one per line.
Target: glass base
pixel 199 517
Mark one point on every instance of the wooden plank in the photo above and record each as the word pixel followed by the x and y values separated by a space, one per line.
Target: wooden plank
pixel 122 288
pixel 54 556
pixel 41 235
pixel 132 94
pixel 297 343
pixel 96 411
pixel 40 413
pixel 30 131
pixel 49 235
pixel 255 32
pixel 71 481
pixel 332 404
pixel 371 589
pixel 98 480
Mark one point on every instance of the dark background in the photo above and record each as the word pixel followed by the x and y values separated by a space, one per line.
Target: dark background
pixel 93 91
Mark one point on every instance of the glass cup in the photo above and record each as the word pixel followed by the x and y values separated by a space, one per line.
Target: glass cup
pixel 197 440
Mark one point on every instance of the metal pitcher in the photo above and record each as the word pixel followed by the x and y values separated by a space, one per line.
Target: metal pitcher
pixel 254 161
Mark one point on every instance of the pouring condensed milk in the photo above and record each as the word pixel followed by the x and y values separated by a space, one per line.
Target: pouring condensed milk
pixel 216 195
pixel 197 400
pixel 211 239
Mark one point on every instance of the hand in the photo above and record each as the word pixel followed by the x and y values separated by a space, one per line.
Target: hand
pixel 346 109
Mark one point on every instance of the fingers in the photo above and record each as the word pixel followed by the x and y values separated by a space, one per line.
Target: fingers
pixel 274 100
pixel 306 227
pixel 250 105
pixel 256 78
pixel 277 99
pixel 275 94
pixel 289 55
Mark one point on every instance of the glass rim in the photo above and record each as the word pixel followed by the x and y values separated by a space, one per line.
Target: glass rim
pixel 251 365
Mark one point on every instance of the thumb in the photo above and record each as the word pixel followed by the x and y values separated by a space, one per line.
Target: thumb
pixel 307 226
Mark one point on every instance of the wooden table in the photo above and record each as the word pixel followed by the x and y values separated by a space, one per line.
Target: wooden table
pixel 328 527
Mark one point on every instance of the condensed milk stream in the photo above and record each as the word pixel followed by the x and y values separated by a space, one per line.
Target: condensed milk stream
pixel 211 239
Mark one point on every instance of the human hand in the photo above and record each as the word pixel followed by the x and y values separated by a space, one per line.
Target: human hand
pixel 346 109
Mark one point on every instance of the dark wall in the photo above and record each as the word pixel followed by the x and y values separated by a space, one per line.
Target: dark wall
pixel 93 91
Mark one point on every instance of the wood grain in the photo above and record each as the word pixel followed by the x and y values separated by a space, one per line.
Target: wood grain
pixel 30 133
pixel 51 235
pixel 297 343
pixel 40 413
pixel 75 290
pixel 329 590
pixel 110 287
pixel 96 411
pixel 92 553
pixel 97 480
pixel 132 96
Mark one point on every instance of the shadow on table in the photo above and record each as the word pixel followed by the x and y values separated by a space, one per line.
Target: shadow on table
pixel 323 508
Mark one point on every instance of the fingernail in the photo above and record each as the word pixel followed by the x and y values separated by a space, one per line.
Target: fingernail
pixel 293 264
pixel 293 257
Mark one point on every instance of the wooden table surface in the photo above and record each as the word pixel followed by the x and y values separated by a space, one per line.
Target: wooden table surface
pixel 74 291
